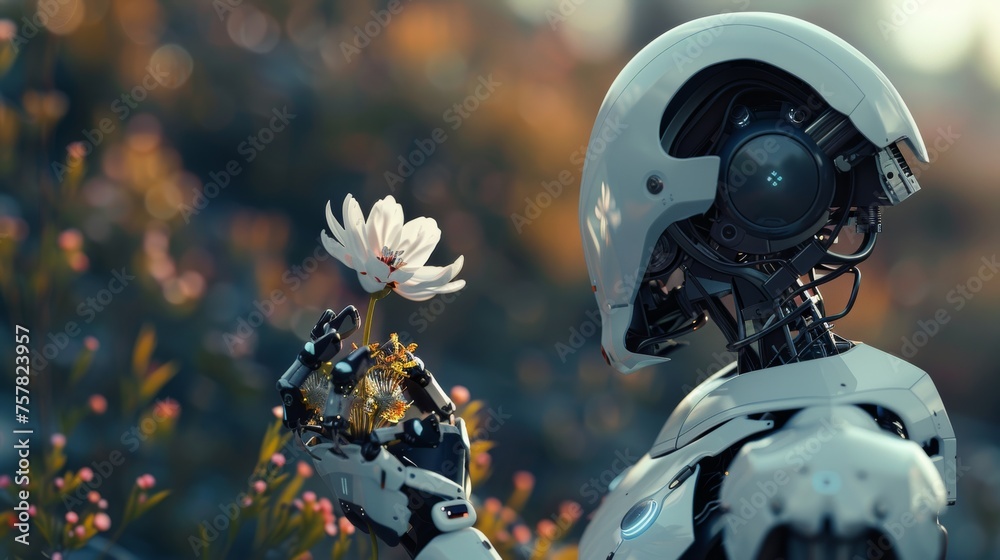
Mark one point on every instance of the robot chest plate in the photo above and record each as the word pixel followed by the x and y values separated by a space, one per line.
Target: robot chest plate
pixel 647 514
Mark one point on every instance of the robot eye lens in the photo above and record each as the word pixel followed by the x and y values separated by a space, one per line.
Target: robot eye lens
pixel 773 181
pixel 639 518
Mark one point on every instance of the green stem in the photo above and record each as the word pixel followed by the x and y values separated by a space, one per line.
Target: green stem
pixel 368 320
pixel 126 518
pixel 371 533
pixel 371 313
pixel 234 530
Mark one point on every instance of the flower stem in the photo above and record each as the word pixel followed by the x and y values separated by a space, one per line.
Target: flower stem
pixel 126 518
pixel 371 532
pixel 375 296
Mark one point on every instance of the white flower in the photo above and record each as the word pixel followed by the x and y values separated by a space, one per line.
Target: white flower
pixel 387 252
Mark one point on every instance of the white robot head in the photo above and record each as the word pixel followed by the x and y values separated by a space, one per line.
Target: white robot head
pixel 726 157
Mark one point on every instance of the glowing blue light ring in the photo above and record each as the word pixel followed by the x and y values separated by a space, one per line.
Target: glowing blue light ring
pixel 650 509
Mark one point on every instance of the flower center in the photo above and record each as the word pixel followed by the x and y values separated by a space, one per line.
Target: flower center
pixel 394 259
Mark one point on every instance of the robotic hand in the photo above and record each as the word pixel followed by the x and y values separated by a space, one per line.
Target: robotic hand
pixel 325 342
pixel 407 483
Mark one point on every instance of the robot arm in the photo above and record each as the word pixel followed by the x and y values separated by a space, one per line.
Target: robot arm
pixel 408 483
pixel 427 514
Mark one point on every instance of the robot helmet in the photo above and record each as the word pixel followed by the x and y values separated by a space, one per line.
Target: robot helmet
pixel 725 159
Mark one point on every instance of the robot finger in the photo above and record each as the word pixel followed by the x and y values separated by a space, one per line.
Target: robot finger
pixel 345 373
pixel 415 432
pixel 320 328
pixel 426 392
pixel 346 322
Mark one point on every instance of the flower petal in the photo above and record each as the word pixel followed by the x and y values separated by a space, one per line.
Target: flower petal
pixel 432 276
pixel 418 239
pixel 354 224
pixel 338 230
pixel 420 293
pixel 427 281
pixel 337 249
pixel 400 275
pixel 369 283
pixel 384 225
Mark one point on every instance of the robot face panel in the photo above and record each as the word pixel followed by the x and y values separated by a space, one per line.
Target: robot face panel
pixel 776 185
pixel 774 137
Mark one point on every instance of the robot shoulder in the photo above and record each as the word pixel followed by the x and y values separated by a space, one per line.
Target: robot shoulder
pixel 862 376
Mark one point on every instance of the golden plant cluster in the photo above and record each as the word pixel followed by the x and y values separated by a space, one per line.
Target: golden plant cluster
pixel 378 397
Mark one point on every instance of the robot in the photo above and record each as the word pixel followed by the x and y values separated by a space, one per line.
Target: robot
pixel 748 145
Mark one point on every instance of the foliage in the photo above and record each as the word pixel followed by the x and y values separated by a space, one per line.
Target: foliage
pixel 66 507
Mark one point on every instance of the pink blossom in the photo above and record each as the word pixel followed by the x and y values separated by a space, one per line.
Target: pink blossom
pixel 330 528
pixel 546 529
pixel 71 240
pixel 524 480
pixel 91 343
pixel 72 518
pixel 309 496
pixel 59 482
pixel 4 481
pixel 145 482
pixel 80 531
pixel 484 459
pixel 102 521
pixel 8 30
pixel 345 526
pixel 93 496
pixel 460 395
pixel 57 556
pixel 86 474
pixel 103 504
pixel 259 486
pixel 278 412
pixel 304 470
pixel 167 409
pixel 570 510
pixel 522 534
pixel 247 500
pixel 76 150
pixel 98 404
pixel 278 459
pixel 78 262
pixel 58 440
pixel 492 506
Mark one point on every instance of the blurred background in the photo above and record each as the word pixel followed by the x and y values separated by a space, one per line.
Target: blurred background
pixel 164 169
